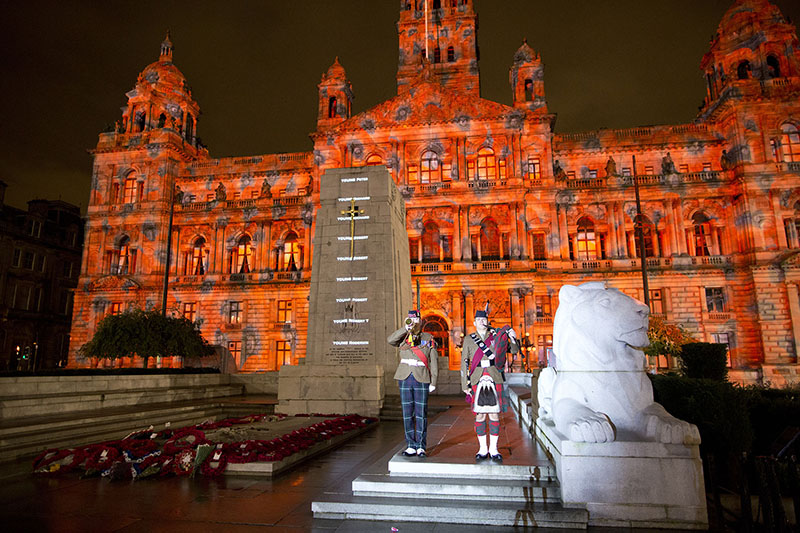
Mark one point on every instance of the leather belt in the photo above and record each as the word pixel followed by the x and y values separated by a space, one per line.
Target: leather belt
pixel 412 362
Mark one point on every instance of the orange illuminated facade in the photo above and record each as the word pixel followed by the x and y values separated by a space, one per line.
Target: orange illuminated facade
pixel 500 208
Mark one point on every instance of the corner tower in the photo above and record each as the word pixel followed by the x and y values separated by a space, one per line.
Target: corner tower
pixel 335 97
pixel 446 33
pixel 526 77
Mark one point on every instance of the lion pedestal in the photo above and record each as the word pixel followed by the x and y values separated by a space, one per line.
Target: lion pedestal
pixel 618 454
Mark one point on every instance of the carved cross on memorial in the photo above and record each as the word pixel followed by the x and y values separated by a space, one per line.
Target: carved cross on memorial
pixel 352 212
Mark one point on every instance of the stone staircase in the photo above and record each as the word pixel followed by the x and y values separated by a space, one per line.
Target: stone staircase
pixel 65 411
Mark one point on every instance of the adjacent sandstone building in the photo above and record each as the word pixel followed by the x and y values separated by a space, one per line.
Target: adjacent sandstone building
pixel 500 208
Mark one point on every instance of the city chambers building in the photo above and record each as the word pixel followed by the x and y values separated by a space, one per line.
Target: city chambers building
pixel 500 208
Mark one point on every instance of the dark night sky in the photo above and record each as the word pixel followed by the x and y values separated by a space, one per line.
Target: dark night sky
pixel 254 67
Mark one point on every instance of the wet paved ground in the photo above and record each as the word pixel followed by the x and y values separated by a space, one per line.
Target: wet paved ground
pixel 67 503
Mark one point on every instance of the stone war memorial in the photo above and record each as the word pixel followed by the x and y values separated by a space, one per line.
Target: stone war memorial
pixel 360 292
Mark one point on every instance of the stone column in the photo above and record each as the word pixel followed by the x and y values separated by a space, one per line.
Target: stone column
pixel 457 234
pixel 530 313
pixel 715 244
pixel 176 250
pixel 679 228
pixel 469 303
pixel 563 231
pixel 670 227
pixel 466 244
pixel 793 293
pixel 612 228
pixel 776 209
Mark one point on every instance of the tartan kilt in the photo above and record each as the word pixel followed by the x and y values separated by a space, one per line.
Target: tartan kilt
pixel 500 400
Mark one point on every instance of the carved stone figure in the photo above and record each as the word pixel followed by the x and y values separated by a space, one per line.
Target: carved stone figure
pixel 266 189
pixel 668 165
pixel 598 390
pixel 558 172
pixel 611 167
pixel 726 161
pixel 221 193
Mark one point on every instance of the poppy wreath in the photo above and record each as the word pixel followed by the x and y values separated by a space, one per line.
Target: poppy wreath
pixel 99 457
pixel 215 464
pixel 150 466
pixel 54 460
pixel 183 462
pixel 134 450
pixel 184 439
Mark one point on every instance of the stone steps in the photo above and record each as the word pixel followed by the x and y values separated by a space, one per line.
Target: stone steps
pixel 540 471
pixel 49 404
pixel 508 490
pixel 342 506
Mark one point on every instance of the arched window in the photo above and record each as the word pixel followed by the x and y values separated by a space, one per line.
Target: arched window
pixel 332 107
pixel 647 233
pixel 437 327
pixel 487 164
pixel 197 265
pixel 138 121
pixel 374 160
pixel 162 120
pixel 743 70
pixel 791 226
pixel 189 127
pixel 124 261
pixel 451 54
pixel 701 234
pixel 242 256
pixel 489 240
pixel 130 190
pixel 528 90
pixel 437 55
pixel 773 66
pixel 429 168
pixel 586 240
pixel 292 256
pixel 431 243
pixel 790 142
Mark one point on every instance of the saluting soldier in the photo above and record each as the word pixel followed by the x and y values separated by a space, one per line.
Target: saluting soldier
pixel 416 376
pixel 483 358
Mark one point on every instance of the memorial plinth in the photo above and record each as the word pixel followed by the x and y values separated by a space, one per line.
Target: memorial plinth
pixel 360 293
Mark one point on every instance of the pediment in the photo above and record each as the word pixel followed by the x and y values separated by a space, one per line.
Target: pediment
pixel 113 282
pixel 429 102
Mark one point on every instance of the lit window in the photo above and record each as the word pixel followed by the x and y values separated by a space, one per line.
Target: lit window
pixel 284 311
pixel 429 167
pixel 683 168
pixel 197 262
pixel 544 344
pixel 374 160
pixel 534 168
pixel 715 300
pixel 235 313
pixel 115 309
pixel 124 262
pixel 413 174
pixel 790 142
pixel 501 168
pixel 648 170
pixel 490 240
pixel 437 327
pixel 792 228
pixel 431 243
pixel 543 306
pixel 701 234
pixel 539 249
pixel 447 171
pixel 647 234
pixel 292 258
pixel 130 191
pixel 626 171
pixel 487 164
pixel 242 256
pixel 586 245
pixel 706 167
pixel 283 351
pixel 190 311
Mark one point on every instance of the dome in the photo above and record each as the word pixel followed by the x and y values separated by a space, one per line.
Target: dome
pixel 525 54
pixel 336 70
pixel 163 76
pixel 757 14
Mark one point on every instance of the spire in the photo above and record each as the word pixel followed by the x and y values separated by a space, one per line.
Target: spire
pixel 166 49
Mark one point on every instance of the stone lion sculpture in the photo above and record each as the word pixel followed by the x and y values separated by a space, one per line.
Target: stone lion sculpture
pixel 599 391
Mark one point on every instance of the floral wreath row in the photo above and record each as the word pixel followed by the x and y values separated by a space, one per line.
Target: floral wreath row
pixel 186 451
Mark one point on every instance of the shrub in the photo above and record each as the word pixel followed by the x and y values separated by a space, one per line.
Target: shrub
pixel 704 360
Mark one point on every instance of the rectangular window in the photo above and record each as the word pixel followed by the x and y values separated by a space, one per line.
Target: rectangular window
pixel 592 173
pixel 447 171
pixel 413 250
pixel 36 299
pixel 283 352
pixel 284 311
pixel 115 193
pixel 24 297
pixel 544 345
pixel 715 300
pixel 502 169
pixel 17 258
pixel 539 248
pixel 253 194
pixel 129 194
pixel 140 191
pixel 774 146
pixel 115 309
pixel 413 174
pixel 36 228
pixel 11 300
pixel 648 170
pixel 40 261
pixel 626 171
pixel 235 347
pixel 64 302
pixel 723 338
pixel 237 196
pixel 235 313
pixel 190 311
pixel 656 302
pixel 534 168
pixel 543 306
pixel 683 168
pixel 211 197
pixel 706 167
pixel 27 260
pixel 66 269
pixel 571 174
pixel 471 169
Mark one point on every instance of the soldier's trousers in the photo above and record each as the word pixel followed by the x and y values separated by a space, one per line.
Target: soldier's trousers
pixel 414 401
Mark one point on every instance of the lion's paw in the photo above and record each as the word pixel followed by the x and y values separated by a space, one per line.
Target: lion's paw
pixel 670 430
pixel 591 428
